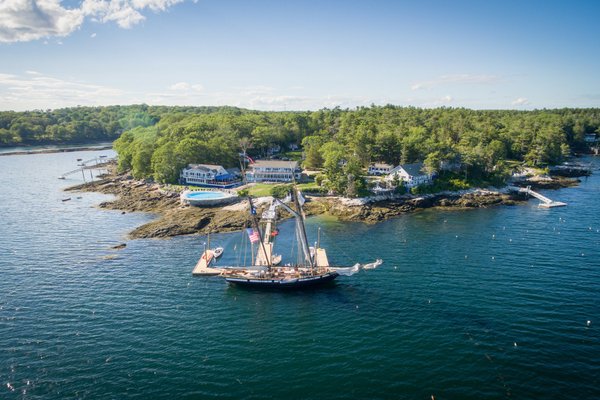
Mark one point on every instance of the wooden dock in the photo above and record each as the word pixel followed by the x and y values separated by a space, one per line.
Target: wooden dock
pixel 203 267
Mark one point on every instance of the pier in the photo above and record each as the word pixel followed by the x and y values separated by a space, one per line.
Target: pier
pixel 546 202
pixel 98 163
pixel 202 268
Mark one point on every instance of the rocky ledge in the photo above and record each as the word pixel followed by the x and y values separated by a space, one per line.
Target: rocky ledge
pixel 175 219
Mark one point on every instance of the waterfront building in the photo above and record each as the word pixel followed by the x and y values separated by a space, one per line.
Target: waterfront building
pixel 411 174
pixel 273 171
pixel 208 175
pixel 380 169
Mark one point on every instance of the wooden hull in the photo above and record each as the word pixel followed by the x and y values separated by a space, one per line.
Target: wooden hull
pixel 287 283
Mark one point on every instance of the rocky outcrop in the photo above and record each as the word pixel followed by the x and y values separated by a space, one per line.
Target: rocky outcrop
pixel 174 219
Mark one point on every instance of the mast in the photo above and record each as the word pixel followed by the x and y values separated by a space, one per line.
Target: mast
pixel 257 227
pixel 302 228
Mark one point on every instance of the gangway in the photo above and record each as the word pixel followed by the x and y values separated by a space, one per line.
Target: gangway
pixel 546 202
pixel 84 165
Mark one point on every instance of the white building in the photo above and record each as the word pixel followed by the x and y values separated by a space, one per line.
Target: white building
pixel 273 171
pixel 205 174
pixel 411 174
pixel 380 169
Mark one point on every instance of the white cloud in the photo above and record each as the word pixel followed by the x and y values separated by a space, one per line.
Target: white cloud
pixel 35 90
pixel 180 86
pixel 26 20
pixel 39 91
pixel 93 35
pixel 186 87
pixel 455 79
pixel 521 101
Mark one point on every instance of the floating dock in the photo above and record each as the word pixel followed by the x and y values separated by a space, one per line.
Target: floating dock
pixel 546 202
pixel 203 268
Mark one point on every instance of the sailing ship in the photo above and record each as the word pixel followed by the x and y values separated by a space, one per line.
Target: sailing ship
pixel 311 270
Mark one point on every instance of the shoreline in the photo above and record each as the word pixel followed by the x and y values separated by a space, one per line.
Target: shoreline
pixel 82 147
pixel 174 219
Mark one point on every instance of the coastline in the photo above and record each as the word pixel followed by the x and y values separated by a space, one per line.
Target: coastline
pixel 42 150
pixel 174 219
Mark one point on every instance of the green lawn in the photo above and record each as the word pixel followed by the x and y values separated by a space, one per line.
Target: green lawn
pixel 307 186
pixel 261 189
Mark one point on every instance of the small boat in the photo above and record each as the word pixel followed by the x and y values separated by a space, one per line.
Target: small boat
pixel 217 252
pixel 62 177
pixel 66 199
pixel 276 259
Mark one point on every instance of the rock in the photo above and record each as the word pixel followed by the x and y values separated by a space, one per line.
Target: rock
pixel 119 246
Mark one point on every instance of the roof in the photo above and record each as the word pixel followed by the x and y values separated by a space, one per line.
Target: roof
pixel 275 164
pixel 204 166
pixel 415 169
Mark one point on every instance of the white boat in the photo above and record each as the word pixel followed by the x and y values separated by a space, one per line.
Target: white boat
pixel 217 252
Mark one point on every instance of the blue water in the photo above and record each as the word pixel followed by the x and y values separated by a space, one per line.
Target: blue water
pixel 441 316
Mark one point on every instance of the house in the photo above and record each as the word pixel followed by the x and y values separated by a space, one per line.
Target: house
pixel 380 169
pixel 591 138
pixel 207 175
pixel 273 171
pixel 411 174
pixel 275 149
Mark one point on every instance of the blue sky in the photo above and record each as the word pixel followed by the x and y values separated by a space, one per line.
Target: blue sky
pixel 277 55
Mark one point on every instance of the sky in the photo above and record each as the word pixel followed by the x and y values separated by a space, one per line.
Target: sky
pixel 299 55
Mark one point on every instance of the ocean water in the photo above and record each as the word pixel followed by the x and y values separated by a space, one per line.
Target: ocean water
pixel 481 304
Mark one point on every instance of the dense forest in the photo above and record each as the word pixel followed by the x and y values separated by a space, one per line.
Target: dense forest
pixel 158 141
pixel 81 124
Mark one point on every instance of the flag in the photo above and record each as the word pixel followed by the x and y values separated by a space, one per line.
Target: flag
pixel 253 235
pixel 301 199
pixel 275 232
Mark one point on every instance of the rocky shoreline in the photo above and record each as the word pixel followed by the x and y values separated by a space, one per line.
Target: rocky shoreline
pixel 175 219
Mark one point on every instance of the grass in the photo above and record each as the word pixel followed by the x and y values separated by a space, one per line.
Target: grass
pixel 261 189
pixel 308 186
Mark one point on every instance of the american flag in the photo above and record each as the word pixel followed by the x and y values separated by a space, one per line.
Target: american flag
pixel 253 235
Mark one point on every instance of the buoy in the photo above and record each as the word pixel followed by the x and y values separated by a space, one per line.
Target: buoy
pixel 589 322
pixel 493 258
pixel 515 344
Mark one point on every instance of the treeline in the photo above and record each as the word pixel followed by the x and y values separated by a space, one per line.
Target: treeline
pixel 343 142
pixel 81 124
pixel 158 141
